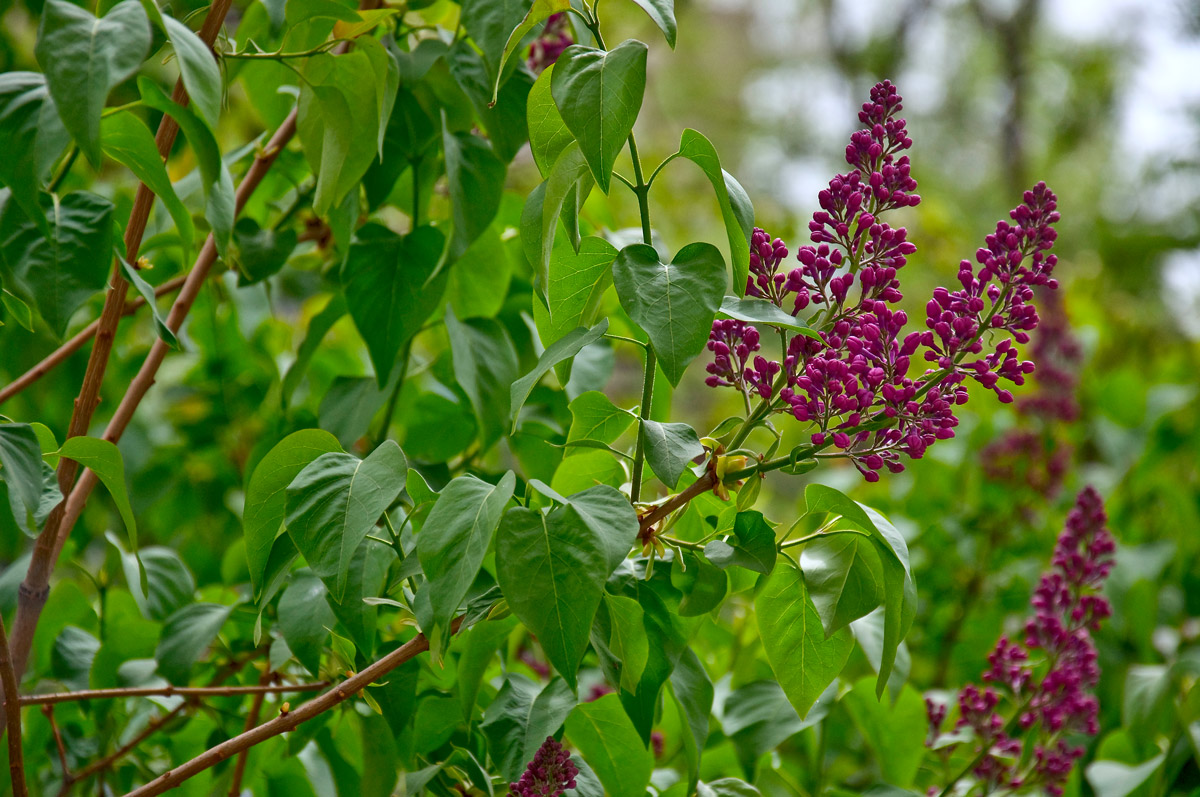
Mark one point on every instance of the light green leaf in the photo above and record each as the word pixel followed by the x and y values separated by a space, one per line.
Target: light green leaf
pixel 392 286
pixel 692 690
pixel 805 662
pixel 104 459
pixel 127 140
pixel 455 538
pixel 663 14
pixel 519 719
pixel 21 472
pixel 576 283
pixel 266 495
pixel 146 290
pixel 755 548
pixel 1113 779
pixel 670 448
pixel 674 303
pixel 703 584
pixel 73 44
pixel 32 137
pixel 538 12
pixel 548 133
pixel 335 501
pixel 185 636
pixel 479 279
pixel 559 351
pixel 760 311
pixel 198 68
pixel 485 366
pixel 569 169
pixel 59 272
pixel 628 640
pixel 595 417
pixel 608 741
pixel 599 95
pixel 844 578
pixel 894 731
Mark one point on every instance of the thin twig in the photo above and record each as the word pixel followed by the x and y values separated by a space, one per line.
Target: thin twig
pixel 168 691
pixel 239 769
pixel 58 742
pixel 8 678
pixel 288 721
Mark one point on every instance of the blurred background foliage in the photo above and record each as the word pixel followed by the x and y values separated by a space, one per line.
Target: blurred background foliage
pixel 1099 99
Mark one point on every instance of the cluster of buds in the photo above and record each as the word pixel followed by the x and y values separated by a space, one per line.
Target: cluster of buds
pixel 550 43
pixel 549 774
pixel 851 381
pixel 1048 676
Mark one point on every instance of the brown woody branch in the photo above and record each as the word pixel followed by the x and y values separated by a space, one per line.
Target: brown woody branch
pixel 290 720
pixel 239 769
pixel 169 691
pixel 8 679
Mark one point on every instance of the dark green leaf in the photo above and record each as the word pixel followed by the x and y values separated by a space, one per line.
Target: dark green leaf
pixel 72 44
pixel 59 272
pixel 520 718
pixel 475 177
pixel 844 578
pixel 305 619
pixel 72 656
pixel 760 311
pixel 185 636
pixel 266 495
pixel 539 12
pixel 490 23
pixel 503 121
pixel 261 252
pixel 392 286
pixel 703 585
pixel 21 472
pixel 805 662
pixel 32 136
pixel 364 579
pixel 318 328
pixel 146 291
pixel 628 640
pixel 755 548
pixel 559 351
pixel 198 68
pixel 169 583
pixel 455 538
pixel 670 448
pixel 608 741
pixel 675 303
pixel 692 690
pixel 599 95
pixel 335 501
pixel 663 14
pixel 485 366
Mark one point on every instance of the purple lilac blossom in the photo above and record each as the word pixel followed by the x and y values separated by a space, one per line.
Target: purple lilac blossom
pixel 550 43
pixel 858 371
pixel 1049 674
pixel 549 773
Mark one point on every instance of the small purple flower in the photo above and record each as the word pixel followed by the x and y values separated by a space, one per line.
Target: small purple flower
pixel 549 45
pixel 549 773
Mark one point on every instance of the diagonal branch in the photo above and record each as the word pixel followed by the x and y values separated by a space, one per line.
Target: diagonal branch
pixel 169 691
pixel 16 762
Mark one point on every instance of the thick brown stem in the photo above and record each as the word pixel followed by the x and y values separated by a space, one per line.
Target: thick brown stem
pixel 64 352
pixel 701 485
pixel 290 720
pixel 168 691
pixel 16 760
pixel 34 590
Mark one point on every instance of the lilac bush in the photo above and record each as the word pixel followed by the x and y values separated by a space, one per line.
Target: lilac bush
pixel 850 379
pixel 549 773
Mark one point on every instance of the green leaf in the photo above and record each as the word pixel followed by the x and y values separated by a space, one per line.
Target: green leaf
pixel 869 633
pixel 663 14
pixel 490 23
pixel 628 640
pixel 755 549
pixel 1113 779
pixel 895 731
pixel 539 220
pixel 736 209
pixel 339 121
pixel 392 286
pixel 608 741
pixel 214 174
pixel 758 717
pixel 559 351
pixel 539 12
pixel 59 272
pixel 674 303
pixel 504 121
pixel 169 583
pixel 479 646
pixel 305 619
pixel 409 133
pixel 900 593
pixel 104 459
pixel 1146 689
pixel 364 579
pixel 260 252
pixel 548 133
pixel 760 311
pixel 16 308
pixel 595 417
pixel 805 662
pixel 72 44
pixel 127 140
pixel 552 568
pixel 844 578
pixel 146 290
pixel 599 95
pixel 670 448
pixel 475 177
pixel 576 282
pixel 519 719
pixel 479 279
pixel 456 537
pixel 318 328
pixel 703 585
pixel 335 501
pixel 726 787
pixel 32 136
pixel 185 636
pixel 199 70
pixel 485 366
pixel 266 495
pixel 692 690
pixel 21 472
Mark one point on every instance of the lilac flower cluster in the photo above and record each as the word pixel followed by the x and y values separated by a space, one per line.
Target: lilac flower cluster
pixel 1049 674
pixel 549 774
pixel 550 43
pixel 856 371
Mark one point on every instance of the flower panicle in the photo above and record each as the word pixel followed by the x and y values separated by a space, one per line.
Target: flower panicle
pixel 549 774
pixel 860 368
